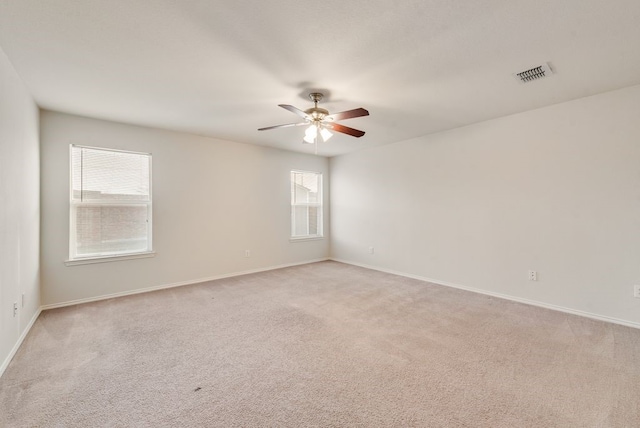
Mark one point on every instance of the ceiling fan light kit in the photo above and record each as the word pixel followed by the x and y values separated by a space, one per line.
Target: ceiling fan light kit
pixel 320 122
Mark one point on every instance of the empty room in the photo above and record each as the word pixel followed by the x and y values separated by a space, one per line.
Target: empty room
pixel 325 214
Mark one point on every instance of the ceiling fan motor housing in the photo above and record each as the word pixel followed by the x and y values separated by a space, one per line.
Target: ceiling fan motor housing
pixel 317 114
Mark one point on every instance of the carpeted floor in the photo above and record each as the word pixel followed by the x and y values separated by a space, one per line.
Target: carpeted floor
pixel 325 344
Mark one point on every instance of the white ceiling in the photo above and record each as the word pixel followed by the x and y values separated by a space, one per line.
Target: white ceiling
pixel 219 68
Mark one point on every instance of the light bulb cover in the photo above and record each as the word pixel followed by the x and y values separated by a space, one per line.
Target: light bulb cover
pixel 326 134
pixel 310 134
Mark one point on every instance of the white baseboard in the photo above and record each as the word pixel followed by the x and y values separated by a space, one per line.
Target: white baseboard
pixel 172 285
pixel 26 331
pixel 499 295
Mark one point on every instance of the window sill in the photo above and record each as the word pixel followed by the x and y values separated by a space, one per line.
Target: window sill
pixel 106 259
pixel 306 238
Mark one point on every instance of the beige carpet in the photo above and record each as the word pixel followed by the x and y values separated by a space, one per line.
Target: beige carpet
pixel 324 344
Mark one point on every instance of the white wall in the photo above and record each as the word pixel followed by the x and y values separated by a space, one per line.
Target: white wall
pixel 555 190
pixel 212 199
pixel 19 209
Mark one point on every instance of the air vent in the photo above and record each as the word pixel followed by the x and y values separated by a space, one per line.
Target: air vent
pixel 534 73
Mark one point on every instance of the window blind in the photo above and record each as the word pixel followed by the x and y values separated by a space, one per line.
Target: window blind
pixel 306 204
pixel 110 202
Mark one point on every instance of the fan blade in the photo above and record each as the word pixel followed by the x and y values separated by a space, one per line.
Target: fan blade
pixel 283 126
pixel 347 114
pixel 295 110
pixel 345 129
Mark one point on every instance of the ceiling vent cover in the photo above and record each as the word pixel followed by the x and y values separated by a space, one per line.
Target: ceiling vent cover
pixel 534 73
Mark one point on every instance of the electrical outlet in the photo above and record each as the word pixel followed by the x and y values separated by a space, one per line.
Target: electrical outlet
pixel 533 275
pixel 247 253
pixel 15 309
pixel 636 291
pixel 371 250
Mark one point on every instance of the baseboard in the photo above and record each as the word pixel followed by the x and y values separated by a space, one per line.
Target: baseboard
pixel 498 295
pixel 15 348
pixel 175 284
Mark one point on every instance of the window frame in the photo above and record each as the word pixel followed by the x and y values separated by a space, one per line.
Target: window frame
pixel 74 259
pixel 319 205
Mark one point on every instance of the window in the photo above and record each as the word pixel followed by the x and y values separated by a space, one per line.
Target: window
pixel 110 203
pixel 306 204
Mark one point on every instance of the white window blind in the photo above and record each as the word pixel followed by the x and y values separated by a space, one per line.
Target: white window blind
pixel 110 203
pixel 306 204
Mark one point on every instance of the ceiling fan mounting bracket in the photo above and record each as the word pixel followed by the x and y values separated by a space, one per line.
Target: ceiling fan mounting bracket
pixel 316 97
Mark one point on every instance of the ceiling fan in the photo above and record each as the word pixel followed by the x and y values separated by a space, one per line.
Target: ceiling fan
pixel 320 121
